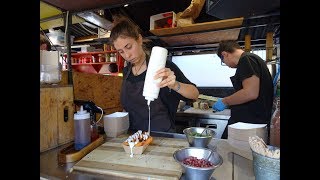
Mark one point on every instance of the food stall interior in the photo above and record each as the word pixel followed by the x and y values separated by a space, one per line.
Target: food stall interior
pixel 257 19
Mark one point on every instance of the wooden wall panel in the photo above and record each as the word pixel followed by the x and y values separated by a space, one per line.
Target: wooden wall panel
pixel 48 119
pixel 103 90
pixel 54 131
pixel 65 126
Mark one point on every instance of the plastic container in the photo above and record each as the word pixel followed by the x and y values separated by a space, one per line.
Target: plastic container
pixel 157 61
pixel 116 123
pixel 50 74
pixel 113 57
pixel 58 38
pixel 82 129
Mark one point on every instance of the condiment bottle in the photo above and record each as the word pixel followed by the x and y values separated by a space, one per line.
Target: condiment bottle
pixel 82 129
pixel 101 58
pixel 94 132
pixel 157 61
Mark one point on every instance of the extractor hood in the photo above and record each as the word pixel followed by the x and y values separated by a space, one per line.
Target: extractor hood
pixel 95 19
pixel 225 9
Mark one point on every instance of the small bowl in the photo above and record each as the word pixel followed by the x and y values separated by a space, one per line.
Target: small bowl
pixel 197 141
pixel 196 173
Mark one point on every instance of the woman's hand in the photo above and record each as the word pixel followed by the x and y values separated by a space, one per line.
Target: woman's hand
pixel 168 78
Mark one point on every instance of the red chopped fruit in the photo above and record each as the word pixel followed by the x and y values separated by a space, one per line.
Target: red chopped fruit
pixel 195 162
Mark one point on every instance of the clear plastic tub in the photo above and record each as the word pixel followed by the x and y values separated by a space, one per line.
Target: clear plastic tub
pixel 58 38
pixel 49 74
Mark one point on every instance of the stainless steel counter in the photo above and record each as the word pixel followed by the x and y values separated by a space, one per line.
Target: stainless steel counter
pixel 51 169
pixel 209 114
pixel 200 118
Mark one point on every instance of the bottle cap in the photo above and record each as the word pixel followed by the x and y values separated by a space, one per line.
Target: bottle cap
pixel 82 114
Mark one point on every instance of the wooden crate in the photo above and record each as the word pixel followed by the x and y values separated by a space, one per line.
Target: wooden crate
pixel 55 129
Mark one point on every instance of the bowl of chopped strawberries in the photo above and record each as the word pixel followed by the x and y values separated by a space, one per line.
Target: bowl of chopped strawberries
pixel 197 163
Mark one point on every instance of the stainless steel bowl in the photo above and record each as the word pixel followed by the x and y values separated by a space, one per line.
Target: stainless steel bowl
pixel 198 173
pixel 196 141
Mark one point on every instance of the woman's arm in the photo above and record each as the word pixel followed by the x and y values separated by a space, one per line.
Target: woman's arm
pixel 189 91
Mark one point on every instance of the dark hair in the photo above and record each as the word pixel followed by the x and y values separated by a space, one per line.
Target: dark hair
pixel 229 46
pixel 123 27
pixel 44 40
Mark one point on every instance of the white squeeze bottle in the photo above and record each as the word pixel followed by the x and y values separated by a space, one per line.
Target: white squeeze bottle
pixel 82 129
pixel 157 61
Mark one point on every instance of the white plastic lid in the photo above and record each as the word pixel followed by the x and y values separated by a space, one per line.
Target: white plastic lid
pixel 82 114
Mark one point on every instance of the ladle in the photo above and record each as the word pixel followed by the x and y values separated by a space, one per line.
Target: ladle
pixel 209 155
pixel 204 130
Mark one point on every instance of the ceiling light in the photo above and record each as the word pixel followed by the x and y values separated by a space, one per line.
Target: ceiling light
pixel 126 5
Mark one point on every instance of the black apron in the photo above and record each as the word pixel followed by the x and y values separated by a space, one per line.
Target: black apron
pixel 134 103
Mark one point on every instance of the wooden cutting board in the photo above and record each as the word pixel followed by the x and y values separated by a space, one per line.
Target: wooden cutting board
pixel 156 161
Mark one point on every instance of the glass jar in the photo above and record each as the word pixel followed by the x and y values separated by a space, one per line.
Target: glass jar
pixel 113 57
pixel 107 57
pixel 101 58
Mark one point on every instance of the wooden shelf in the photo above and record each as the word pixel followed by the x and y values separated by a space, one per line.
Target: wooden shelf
pixel 75 64
pixel 92 53
pixel 200 27
pixel 113 74
pixel 201 33
pixel 95 67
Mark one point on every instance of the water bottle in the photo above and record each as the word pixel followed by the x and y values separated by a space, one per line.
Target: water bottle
pixel 82 129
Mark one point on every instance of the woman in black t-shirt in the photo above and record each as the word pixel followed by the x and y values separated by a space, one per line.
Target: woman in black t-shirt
pixel 174 86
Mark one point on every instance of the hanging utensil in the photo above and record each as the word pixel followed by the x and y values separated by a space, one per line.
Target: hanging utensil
pixel 204 130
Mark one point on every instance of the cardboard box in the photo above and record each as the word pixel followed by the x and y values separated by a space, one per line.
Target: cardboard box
pixel 116 123
pixel 163 20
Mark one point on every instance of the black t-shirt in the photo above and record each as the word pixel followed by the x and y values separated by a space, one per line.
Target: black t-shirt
pixel 257 111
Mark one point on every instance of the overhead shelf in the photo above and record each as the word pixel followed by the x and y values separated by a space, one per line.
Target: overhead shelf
pixel 201 33
pixel 51 17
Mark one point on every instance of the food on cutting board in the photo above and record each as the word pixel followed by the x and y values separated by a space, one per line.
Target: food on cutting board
pixel 140 138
